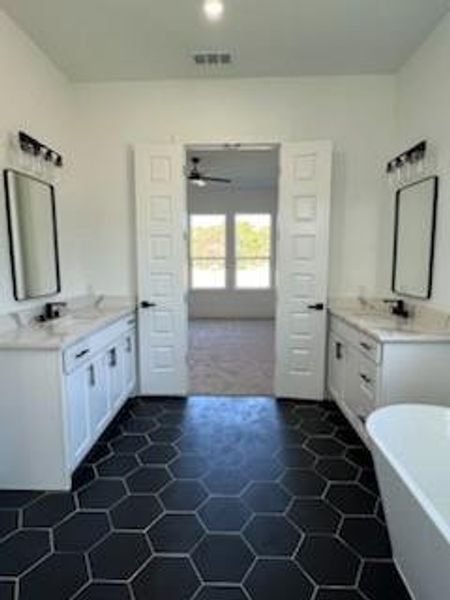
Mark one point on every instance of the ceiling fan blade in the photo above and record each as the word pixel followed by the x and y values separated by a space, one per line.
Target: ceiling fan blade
pixel 217 179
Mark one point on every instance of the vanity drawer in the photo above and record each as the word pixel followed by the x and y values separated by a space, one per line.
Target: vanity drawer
pixel 86 349
pixel 369 347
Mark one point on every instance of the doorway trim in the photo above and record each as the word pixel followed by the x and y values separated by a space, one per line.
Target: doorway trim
pixel 304 195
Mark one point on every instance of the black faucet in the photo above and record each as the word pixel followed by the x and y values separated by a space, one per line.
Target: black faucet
pixel 51 311
pixel 398 307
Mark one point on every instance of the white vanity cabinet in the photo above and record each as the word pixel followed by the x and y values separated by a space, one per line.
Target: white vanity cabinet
pixel 57 401
pixel 366 372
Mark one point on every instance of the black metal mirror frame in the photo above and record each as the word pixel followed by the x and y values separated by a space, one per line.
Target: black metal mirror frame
pixel 11 235
pixel 435 179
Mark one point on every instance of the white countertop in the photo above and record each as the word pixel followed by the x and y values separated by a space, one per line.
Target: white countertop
pixel 387 328
pixel 65 331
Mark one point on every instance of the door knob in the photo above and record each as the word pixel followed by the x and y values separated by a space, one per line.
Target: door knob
pixel 147 304
pixel 318 306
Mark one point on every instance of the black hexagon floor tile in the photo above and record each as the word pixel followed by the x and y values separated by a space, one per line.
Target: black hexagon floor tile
pixel 7 590
pixel 381 581
pixel 303 482
pixel 147 480
pixel 296 457
pixel 158 454
pixel 82 476
pixel 101 493
pixel 272 535
pixel 166 578
pixel 351 499
pixel 118 465
pixel 325 446
pixel 242 484
pixel 48 510
pixel 222 558
pixel 119 556
pixel 328 561
pixel 225 481
pixel 136 512
pixel 165 434
pixel 104 591
pixel 266 497
pixel 129 444
pixel 336 469
pixel 17 499
pixel 21 550
pixel 222 513
pixel 58 577
pixel 314 515
pixel 80 531
pixel 339 594
pixel 183 495
pixel 213 592
pixel 176 533
pixel 8 521
pixel 367 536
pixel 188 467
pixel 268 578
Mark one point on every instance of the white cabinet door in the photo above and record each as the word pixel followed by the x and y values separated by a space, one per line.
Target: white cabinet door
pixel 302 270
pixel 98 397
pixel 129 361
pixel 161 219
pixel 115 375
pixel 77 397
pixel 336 367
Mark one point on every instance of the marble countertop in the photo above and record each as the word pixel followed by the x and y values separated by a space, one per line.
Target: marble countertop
pixel 65 331
pixel 388 328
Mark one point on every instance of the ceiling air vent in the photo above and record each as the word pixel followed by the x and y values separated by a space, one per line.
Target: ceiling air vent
pixel 212 59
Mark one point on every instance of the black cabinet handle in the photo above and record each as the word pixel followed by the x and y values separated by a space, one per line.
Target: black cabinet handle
pixel 365 378
pixel 92 376
pixel 82 353
pixel 365 346
pixel 318 306
pixel 338 350
pixel 113 357
pixel 147 304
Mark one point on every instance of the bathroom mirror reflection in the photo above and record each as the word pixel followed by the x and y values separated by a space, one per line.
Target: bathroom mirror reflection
pixel 31 213
pixel 415 220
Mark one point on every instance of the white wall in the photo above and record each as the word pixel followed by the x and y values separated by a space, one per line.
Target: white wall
pixel 37 98
pixel 423 112
pixel 232 303
pixel 357 113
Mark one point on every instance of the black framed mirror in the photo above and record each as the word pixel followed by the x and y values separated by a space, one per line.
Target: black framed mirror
pixel 33 238
pixel 414 238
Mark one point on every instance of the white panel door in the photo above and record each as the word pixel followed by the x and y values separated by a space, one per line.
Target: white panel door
pixel 302 272
pixel 162 267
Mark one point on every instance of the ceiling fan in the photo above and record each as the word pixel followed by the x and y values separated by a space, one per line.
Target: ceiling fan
pixel 200 179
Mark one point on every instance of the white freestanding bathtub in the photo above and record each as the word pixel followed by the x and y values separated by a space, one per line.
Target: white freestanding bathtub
pixel 411 444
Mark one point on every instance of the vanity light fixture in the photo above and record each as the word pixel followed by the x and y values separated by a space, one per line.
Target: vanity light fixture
pixel 32 146
pixel 213 10
pixel 410 157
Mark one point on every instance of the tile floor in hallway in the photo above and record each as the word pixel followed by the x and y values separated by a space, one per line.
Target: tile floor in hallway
pixel 207 498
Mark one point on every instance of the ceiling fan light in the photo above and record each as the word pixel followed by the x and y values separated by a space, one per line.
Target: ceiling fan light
pixel 199 182
pixel 213 9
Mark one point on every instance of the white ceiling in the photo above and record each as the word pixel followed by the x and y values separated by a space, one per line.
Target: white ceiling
pixel 248 169
pixel 101 40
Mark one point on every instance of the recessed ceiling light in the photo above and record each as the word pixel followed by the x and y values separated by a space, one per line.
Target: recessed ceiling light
pixel 213 9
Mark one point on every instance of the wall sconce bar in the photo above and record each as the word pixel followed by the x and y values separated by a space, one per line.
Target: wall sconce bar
pixel 32 146
pixel 411 156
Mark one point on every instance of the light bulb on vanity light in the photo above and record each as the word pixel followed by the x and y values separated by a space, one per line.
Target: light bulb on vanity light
pixel 213 9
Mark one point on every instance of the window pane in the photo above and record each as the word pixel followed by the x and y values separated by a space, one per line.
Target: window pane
pixel 253 236
pixel 207 236
pixel 208 274
pixel 253 273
